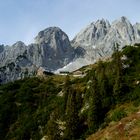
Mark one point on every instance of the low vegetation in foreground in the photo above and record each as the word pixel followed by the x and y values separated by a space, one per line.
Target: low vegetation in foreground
pixel 106 102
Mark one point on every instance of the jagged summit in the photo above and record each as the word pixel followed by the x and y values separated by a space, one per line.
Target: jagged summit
pixel 93 33
pixel 123 19
pixel 102 21
pixel 52 32
pixel 137 32
pixel 102 32
pixel 97 39
pixel 55 48
pixel 19 43
pixel 52 49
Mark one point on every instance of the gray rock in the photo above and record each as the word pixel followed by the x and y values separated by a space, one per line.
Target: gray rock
pixel 1 48
pixel 92 34
pixel 97 40
pixel 137 32
pixel 51 50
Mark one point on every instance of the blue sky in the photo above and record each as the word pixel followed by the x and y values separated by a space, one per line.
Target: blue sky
pixel 23 19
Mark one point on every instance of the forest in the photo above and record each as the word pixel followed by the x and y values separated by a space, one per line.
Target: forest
pixel 59 107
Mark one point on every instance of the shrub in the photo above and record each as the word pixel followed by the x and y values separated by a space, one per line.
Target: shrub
pixel 118 114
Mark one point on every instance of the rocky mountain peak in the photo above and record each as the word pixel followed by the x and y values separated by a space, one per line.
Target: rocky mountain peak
pixel 102 22
pixel 50 33
pixel 19 43
pixel 92 34
pixel 18 47
pixel 137 32
pixel 52 49
pixel 122 21
pixel 98 39
pixel 123 30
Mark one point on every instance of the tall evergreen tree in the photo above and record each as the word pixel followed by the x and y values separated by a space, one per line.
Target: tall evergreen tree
pixel 72 118
pixel 66 91
pixel 53 132
pixel 103 86
pixel 118 69
pixel 79 99
pixel 94 115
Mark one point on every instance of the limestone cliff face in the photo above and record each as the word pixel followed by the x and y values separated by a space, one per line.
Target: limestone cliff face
pixel 137 32
pixel 97 40
pixel 51 50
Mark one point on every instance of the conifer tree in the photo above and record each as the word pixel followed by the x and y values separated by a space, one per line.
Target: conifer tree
pixel 103 86
pixel 66 91
pixel 72 118
pixel 94 115
pixel 118 69
pixel 79 99
pixel 53 132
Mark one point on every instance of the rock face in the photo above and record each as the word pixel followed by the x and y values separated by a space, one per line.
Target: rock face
pixel 92 34
pixel 97 40
pixel 1 48
pixel 137 32
pixel 53 51
pixel 14 63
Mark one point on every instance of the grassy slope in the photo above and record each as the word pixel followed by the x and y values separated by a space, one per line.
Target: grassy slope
pixel 26 106
pixel 128 128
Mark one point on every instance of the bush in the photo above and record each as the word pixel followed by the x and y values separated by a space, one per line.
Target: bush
pixel 118 114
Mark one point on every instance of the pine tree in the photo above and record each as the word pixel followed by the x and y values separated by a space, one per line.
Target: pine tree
pixel 72 118
pixel 66 91
pixel 118 69
pixel 94 116
pixel 53 132
pixel 103 86
pixel 79 99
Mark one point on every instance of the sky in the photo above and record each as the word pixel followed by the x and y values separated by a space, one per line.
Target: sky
pixel 21 20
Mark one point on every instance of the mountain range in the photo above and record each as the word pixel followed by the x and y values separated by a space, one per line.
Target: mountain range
pixel 53 51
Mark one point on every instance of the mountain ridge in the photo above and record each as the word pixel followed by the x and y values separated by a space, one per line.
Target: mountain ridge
pixel 53 50
pixel 97 40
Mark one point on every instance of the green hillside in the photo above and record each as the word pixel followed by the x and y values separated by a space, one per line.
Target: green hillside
pixel 72 108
